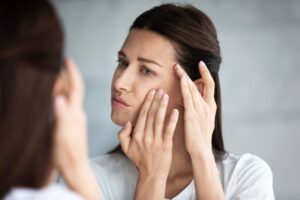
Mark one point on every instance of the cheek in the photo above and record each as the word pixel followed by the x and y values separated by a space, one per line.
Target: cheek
pixel 122 116
pixel 174 91
pixel 175 100
pixel 139 102
pixel 141 91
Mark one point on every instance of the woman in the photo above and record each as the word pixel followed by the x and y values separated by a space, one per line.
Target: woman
pixel 163 50
pixel 42 122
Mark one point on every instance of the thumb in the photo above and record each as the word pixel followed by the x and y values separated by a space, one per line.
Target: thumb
pixel 124 137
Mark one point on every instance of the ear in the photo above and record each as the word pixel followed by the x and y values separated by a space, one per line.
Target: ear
pixel 200 85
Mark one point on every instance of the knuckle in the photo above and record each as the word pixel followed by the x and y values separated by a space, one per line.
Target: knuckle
pixel 157 143
pixel 137 138
pixel 147 141
pixel 167 145
pixel 143 111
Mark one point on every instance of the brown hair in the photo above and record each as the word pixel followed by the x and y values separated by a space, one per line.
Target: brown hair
pixel 31 54
pixel 195 38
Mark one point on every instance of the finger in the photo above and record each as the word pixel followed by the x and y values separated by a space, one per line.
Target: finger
pixel 209 84
pixel 195 94
pixel 60 115
pixel 59 108
pixel 124 137
pixel 171 126
pixel 141 121
pixel 199 84
pixel 76 84
pixel 160 116
pixel 149 129
pixel 186 94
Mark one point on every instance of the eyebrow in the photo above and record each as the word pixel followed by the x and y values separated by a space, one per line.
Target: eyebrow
pixel 141 59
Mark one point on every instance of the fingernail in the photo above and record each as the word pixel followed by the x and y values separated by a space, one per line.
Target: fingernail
pixel 152 92
pixel 201 64
pixel 160 92
pixel 165 97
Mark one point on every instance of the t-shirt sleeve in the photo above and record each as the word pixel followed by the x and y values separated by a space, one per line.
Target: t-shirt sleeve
pixel 252 179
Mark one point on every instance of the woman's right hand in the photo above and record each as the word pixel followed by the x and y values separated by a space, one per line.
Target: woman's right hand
pixel 149 144
pixel 70 146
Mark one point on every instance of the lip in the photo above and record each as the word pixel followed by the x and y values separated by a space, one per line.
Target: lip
pixel 118 102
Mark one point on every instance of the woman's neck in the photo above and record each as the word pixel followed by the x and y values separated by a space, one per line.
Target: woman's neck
pixel 181 161
pixel 181 172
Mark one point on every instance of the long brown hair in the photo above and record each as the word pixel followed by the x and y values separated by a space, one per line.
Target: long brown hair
pixel 31 54
pixel 195 38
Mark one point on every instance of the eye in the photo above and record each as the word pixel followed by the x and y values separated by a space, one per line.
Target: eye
pixel 146 71
pixel 122 63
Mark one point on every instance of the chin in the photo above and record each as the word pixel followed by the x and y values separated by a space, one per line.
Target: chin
pixel 119 120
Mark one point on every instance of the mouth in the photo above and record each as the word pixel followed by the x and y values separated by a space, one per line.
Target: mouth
pixel 118 103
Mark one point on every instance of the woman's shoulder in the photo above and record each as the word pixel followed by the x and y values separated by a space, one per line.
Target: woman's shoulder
pixel 48 193
pixel 113 165
pixel 246 162
pixel 245 175
pixel 245 158
pixel 116 175
pixel 111 161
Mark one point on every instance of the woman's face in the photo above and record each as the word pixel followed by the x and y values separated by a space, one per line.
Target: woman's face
pixel 146 61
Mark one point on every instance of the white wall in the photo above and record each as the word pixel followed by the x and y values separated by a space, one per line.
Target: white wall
pixel 260 43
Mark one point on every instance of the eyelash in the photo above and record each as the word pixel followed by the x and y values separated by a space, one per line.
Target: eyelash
pixel 122 63
pixel 146 71
pixel 143 69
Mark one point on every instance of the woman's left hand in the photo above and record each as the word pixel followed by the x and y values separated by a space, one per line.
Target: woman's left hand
pixel 199 110
pixel 199 122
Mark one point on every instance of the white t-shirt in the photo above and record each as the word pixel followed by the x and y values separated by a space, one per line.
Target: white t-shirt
pixel 51 192
pixel 245 177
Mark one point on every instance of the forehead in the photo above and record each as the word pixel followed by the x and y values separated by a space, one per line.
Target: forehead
pixel 145 43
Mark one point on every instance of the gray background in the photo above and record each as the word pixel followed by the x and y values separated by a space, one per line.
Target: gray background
pixel 259 75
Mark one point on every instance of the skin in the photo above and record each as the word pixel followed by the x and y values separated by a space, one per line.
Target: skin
pixel 70 146
pixel 134 78
pixel 169 147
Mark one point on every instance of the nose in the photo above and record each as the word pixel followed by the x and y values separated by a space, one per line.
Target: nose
pixel 123 79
